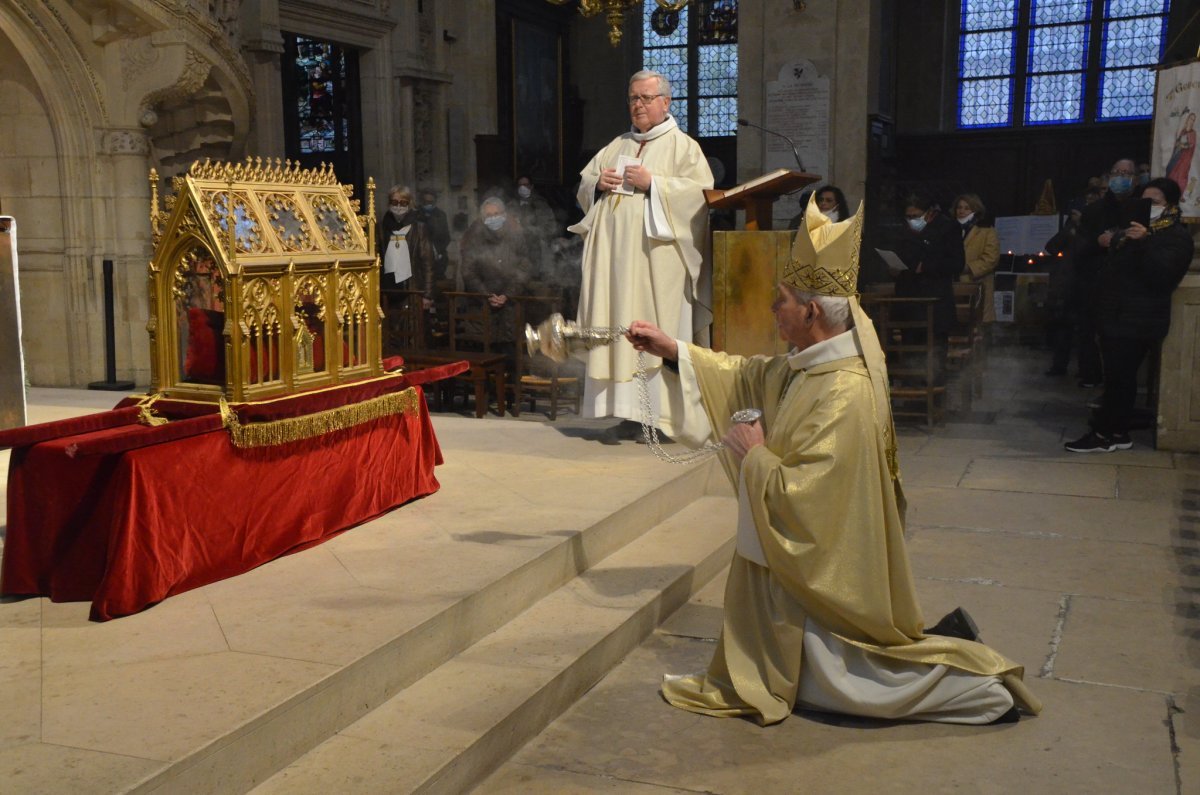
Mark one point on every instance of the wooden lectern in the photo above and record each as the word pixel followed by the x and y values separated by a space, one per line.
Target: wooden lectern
pixel 757 196
pixel 747 264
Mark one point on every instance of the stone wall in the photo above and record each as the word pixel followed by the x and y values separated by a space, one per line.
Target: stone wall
pixel 31 192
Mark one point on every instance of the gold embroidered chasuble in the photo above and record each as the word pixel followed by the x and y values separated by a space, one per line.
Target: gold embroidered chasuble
pixel 830 519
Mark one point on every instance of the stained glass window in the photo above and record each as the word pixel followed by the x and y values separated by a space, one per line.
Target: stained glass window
pixel 1134 31
pixel 1039 56
pixel 696 48
pixel 321 76
pixel 986 62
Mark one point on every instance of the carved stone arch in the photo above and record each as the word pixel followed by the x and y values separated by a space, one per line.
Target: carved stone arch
pixel 74 106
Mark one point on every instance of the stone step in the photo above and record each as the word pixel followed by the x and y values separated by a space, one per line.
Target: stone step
pixel 448 731
pixel 247 754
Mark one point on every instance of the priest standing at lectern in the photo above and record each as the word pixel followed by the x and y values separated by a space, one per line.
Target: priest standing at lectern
pixel 645 245
pixel 820 606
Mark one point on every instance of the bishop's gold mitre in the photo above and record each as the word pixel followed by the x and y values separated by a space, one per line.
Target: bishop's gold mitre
pixel 824 257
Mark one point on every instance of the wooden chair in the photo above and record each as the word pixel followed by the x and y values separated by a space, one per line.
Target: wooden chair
pixel 404 321
pixel 470 325
pixel 905 329
pixel 537 375
pixel 407 332
pixel 472 329
pixel 965 345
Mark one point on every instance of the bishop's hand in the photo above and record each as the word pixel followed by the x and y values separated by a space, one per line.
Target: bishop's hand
pixel 653 340
pixel 742 437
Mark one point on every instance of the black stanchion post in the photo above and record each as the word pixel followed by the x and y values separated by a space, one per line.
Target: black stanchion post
pixel 110 384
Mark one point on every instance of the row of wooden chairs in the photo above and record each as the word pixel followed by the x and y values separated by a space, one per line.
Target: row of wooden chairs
pixel 919 363
pixel 464 326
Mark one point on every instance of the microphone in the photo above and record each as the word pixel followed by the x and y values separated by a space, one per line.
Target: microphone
pixel 748 123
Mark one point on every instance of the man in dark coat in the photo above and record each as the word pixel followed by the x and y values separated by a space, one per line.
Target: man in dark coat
pixel 1099 221
pixel 1142 268
pixel 932 249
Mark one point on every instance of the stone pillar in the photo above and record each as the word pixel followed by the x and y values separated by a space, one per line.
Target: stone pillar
pixel 1178 379
pixel 262 44
pixel 125 153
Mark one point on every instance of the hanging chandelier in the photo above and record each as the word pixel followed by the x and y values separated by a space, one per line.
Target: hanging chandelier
pixel 614 12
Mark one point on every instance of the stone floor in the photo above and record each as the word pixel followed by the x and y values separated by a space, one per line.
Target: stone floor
pixel 116 706
pixel 1085 568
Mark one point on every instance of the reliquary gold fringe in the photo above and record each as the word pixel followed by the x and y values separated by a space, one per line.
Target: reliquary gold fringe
pixel 293 429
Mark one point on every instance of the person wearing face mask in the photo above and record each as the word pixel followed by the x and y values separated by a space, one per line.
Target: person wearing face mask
pixel 1141 269
pixel 1097 224
pixel 645 245
pixel 439 230
pixel 536 220
pixel 832 203
pixel 981 248
pixel 1143 175
pixel 406 254
pixel 495 262
pixel 932 248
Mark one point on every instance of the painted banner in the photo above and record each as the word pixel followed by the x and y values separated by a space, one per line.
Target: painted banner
pixel 1176 103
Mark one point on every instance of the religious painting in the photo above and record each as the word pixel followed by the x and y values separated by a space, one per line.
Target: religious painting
pixel 1177 102
pixel 198 287
pixel 537 101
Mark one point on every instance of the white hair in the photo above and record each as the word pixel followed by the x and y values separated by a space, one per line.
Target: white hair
pixel 835 308
pixel 664 85
pixel 492 201
pixel 403 190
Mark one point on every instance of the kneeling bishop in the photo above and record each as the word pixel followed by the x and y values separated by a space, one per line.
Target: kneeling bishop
pixel 820 608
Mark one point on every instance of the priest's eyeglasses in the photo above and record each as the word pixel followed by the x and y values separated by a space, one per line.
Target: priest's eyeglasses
pixel 645 99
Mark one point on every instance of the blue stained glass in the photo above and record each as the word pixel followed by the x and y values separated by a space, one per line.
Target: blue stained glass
pixel 1126 94
pixel 651 39
pixel 988 14
pixel 1130 8
pixel 986 54
pixel 1051 12
pixel 985 103
pixel 1062 48
pixel 671 62
pixel 718 70
pixel 679 111
pixel 1054 99
pixel 717 116
pixel 1133 42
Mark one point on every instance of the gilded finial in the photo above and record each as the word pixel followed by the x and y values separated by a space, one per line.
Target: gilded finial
pixel 155 232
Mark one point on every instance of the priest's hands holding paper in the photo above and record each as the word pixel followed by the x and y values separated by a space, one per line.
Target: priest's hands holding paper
pixel 650 338
pixel 639 177
pixel 609 180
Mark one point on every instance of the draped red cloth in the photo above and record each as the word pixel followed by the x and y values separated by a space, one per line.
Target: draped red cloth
pixel 127 515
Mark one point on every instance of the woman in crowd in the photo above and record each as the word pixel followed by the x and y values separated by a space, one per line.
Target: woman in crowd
pixel 496 262
pixel 407 258
pixel 832 202
pixel 405 248
pixel 1143 267
pixel 981 248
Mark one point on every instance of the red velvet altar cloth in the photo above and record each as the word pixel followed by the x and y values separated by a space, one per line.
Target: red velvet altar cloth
pixel 128 529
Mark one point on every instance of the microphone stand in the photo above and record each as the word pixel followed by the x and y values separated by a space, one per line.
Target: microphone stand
pixel 795 152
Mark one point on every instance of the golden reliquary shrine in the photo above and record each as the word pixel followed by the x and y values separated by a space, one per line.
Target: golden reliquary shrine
pixel 264 282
